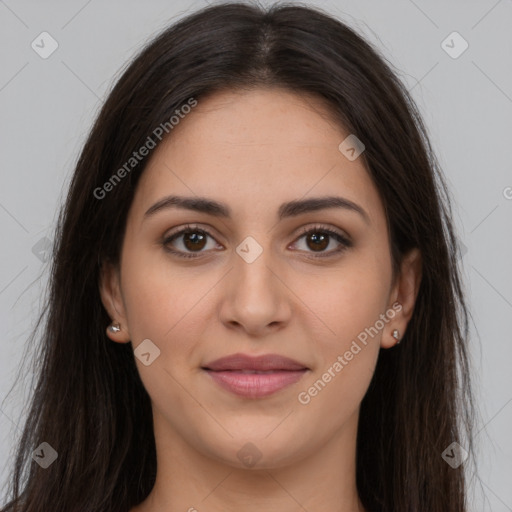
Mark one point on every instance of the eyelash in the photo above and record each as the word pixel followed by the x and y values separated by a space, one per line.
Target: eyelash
pixel 344 241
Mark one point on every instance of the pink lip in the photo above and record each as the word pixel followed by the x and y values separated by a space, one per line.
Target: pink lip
pixel 254 385
pixel 235 373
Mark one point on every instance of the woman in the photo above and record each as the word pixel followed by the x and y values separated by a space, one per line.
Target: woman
pixel 255 285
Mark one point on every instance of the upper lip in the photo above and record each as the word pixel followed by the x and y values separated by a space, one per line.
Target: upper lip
pixel 257 363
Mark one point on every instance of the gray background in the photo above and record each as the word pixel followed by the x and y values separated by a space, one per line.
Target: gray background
pixel 48 105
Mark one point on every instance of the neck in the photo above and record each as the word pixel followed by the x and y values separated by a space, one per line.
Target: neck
pixel 190 480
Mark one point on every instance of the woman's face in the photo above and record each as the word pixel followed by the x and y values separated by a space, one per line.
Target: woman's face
pixel 255 283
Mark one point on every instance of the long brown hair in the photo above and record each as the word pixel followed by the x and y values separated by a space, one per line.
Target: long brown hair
pixel 89 403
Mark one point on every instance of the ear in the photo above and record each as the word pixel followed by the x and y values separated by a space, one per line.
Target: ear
pixel 111 297
pixel 403 296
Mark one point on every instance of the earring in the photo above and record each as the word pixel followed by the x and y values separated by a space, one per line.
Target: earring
pixel 396 335
pixel 114 327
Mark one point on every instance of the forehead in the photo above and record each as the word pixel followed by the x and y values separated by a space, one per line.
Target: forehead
pixel 271 116
pixel 254 148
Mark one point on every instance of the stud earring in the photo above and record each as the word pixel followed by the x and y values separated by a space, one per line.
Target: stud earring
pixel 396 335
pixel 114 327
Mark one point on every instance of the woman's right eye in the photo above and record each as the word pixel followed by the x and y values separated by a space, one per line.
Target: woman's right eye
pixel 193 239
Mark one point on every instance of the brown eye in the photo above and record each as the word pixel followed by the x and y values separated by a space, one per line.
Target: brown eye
pixel 319 238
pixel 319 241
pixel 191 242
pixel 186 242
pixel 194 240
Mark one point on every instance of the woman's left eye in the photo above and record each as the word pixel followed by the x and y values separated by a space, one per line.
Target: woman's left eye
pixel 320 237
pixel 194 240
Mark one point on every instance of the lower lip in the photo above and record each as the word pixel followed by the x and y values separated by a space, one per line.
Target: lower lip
pixel 255 385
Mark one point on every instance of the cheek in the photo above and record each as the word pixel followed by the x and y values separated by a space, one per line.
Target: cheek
pixel 159 295
pixel 147 309
pixel 346 300
pixel 173 308
pixel 350 305
pixel 163 305
pixel 334 393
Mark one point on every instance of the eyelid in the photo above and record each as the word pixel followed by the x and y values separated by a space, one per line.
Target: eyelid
pixel 189 227
pixel 342 238
pixel 328 229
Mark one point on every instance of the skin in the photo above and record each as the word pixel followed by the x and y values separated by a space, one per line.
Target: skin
pixel 254 150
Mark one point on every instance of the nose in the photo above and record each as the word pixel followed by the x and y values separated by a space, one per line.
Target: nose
pixel 256 299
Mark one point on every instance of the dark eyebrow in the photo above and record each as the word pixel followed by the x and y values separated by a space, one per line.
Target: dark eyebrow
pixel 289 209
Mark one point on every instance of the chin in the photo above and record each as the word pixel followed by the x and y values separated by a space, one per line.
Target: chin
pixel 262 452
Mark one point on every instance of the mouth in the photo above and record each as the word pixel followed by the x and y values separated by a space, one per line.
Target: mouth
pixel 255 377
